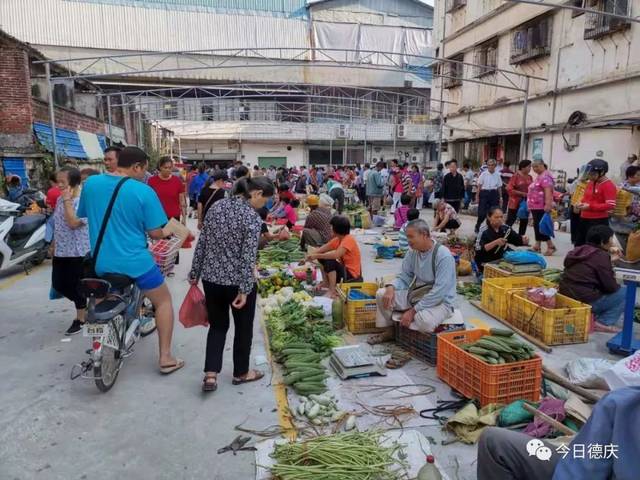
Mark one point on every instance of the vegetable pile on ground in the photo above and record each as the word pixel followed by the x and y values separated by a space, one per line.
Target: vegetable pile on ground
pixel 276 254
pixel 323 410
pixel 343 456
pixel 469 290
pixel 552 275
pixel 300 337
pixel 500 347
pixel 276 282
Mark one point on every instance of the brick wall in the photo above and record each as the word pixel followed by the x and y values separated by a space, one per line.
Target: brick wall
pixel 15 88
pixel 66 118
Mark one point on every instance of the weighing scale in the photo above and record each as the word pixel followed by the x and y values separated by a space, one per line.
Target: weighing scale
pixel 624 343
pixel 353 362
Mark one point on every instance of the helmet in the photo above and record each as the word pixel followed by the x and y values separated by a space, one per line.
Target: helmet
pixel 597 165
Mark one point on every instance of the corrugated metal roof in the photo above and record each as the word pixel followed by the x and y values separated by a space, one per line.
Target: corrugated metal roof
pixel 275 7
pixel 101 26
pixel 68 141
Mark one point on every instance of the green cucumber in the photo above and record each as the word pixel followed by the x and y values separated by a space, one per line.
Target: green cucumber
pixel 484 352
pixel 501 332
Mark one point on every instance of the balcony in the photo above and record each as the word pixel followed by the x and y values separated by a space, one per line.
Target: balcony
pixel 531 40
pixel 597 26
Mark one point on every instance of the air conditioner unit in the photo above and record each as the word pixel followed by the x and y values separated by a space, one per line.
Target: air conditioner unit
pixel 343 131
pixel 401 131
pixel 408 84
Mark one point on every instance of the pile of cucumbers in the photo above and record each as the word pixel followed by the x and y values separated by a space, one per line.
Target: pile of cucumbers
pixel 305 373
pixel 500 347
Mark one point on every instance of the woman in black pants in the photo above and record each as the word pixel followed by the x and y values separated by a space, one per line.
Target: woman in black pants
pixel 225 258
pixel 71 244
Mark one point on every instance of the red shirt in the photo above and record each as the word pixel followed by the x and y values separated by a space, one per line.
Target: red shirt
pixel 601 198
pixel 52 196
pixel 287 194
pixel 518 183
pixel 168 192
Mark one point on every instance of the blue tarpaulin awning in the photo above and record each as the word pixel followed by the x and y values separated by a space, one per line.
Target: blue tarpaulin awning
pixel 68 141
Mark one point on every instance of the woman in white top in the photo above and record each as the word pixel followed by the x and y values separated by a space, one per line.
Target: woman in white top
pixel 489 191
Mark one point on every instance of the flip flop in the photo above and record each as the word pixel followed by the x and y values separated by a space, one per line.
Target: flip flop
pixel 208 385
pixel 550 251
pixel 239 381
pixel 396 362
pixel 169 369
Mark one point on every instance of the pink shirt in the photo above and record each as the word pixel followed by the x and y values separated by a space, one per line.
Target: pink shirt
pixel 290 213
pixel 535 196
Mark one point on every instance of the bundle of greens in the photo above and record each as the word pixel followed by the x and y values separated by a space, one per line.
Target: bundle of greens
pixel 300 337
pixel 295 323
pixel 469 290
pixel 343 456
pixel 277 254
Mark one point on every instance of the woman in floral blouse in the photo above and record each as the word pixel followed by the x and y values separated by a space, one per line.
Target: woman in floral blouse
pixel 225 259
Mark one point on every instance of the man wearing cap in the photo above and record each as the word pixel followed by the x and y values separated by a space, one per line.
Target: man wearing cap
pixel 317 228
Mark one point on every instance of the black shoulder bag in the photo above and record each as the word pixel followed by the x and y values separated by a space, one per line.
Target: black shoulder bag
pixel 89 263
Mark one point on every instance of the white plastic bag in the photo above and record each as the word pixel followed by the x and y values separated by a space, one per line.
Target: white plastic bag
pixel 588 372
pixel 625 373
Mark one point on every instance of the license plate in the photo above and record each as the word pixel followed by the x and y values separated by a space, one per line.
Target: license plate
pixel 93 330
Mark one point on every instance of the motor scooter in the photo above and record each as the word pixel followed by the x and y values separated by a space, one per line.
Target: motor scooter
pixel 22 237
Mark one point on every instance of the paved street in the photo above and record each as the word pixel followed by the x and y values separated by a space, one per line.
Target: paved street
pixel 150 426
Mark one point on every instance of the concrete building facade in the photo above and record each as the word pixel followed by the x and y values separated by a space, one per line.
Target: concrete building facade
pixel 386 42
pixel 584 107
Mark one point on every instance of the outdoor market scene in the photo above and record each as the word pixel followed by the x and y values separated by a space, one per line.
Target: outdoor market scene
pixel 222 264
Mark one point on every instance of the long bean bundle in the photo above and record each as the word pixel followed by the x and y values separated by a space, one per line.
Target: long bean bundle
pixel 343 456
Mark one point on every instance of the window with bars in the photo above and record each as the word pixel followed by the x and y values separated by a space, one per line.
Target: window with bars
pixel 531 40
pixel 596 25
pixel 576 3
pixel 453 5
pixel 170 110
pixel 486 57
pixel 453 72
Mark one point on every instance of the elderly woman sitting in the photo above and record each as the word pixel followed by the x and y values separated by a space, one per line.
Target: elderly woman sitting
pixel 423 295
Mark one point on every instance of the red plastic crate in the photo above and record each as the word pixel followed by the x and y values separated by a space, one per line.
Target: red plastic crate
pixel 479 380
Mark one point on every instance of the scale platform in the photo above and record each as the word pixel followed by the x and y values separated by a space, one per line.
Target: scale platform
pixel 624 343
pixel 353 362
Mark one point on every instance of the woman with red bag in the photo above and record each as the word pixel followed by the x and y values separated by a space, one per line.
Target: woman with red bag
pixel 225 260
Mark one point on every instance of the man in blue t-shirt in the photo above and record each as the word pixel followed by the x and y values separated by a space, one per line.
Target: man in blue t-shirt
pixel 136 213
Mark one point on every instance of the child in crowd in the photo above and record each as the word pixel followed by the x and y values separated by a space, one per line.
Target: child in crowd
pixel 290 211
pixel 412 214
pixel 401 212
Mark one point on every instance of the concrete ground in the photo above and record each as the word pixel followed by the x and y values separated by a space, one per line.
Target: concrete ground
pixel 149 426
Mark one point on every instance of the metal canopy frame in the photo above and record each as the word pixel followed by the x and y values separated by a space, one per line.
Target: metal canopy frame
pixel 155 63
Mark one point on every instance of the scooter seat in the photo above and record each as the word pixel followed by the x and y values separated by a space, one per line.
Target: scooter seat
pixel 108 309
pixel 27 224
pixel 117 281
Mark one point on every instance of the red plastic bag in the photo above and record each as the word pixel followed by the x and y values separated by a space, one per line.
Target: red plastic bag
pixel 193 311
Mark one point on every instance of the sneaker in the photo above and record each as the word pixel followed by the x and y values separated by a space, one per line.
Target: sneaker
pixel 75 327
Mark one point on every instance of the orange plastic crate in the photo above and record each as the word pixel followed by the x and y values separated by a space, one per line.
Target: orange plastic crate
pixel 479 380
pixel 497 292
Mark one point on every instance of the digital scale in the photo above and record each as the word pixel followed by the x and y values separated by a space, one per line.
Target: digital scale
pixel 624 343
pixel 353 362
pixel 519 268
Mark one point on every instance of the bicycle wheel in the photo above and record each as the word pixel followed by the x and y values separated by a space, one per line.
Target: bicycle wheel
pixel 107 372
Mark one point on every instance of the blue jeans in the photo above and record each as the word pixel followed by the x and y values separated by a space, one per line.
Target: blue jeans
pixel 609 308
